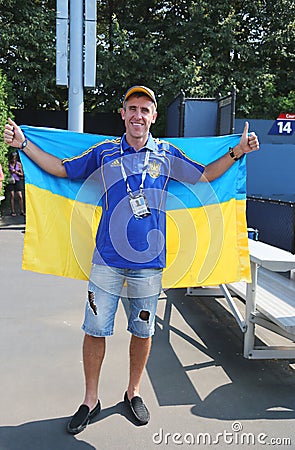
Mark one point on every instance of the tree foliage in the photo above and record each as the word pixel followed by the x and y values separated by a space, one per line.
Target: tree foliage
pixel 27 51
pixel 202 47
pixel 3 119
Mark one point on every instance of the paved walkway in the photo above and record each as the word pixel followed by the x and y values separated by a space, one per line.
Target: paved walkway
pixel 200 390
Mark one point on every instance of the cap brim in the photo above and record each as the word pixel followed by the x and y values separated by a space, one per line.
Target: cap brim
pixel 142 89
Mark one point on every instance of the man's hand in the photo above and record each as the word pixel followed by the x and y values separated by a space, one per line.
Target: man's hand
pixel 247 144
pixel 13 135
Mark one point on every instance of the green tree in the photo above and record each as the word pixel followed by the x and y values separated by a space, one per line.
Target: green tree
pixel 200 46
pixel 3 119
pixel 27 54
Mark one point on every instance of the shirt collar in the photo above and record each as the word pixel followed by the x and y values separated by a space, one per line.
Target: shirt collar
pixel 150 144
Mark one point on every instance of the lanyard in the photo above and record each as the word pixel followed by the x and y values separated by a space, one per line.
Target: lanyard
pixel 143 175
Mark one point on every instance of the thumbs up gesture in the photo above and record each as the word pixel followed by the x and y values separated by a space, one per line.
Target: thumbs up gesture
pixel 248 142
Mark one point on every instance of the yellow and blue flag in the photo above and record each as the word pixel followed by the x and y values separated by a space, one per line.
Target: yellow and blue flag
pixel 207 242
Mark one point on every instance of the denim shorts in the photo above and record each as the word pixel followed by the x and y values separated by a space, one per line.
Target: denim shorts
pixel 107 284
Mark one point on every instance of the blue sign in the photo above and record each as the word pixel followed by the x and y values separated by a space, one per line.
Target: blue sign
pixel 285 124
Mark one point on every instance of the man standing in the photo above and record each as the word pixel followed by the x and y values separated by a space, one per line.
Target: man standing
pixel 134 172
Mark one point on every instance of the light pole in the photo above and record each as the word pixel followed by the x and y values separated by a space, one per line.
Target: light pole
pixel 76 54
pixel 76 89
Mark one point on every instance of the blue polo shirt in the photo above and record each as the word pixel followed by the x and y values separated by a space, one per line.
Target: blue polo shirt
pixel 123 240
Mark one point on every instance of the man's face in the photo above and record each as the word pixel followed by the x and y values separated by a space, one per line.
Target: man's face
pixel 139 114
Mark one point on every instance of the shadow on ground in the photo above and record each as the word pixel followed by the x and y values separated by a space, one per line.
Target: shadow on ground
pixel 51 434
pixel 256 389
pixel 42 435
pixel 7 222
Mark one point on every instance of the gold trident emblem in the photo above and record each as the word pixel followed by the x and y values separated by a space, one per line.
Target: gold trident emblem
pixel 154 169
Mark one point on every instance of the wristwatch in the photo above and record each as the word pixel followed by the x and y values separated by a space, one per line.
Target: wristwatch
pixel 232 155
pixel 24 144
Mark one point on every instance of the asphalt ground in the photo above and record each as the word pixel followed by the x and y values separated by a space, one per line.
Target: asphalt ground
pixel 200 390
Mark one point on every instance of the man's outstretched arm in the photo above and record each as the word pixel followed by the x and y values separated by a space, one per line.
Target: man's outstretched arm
pixel 217 168
pixel 14 137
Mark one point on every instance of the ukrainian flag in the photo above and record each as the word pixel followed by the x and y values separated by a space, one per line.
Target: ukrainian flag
pixel 207 241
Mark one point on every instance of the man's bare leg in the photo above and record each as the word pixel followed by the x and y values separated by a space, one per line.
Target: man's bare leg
pixel 93 355
pixel 139 351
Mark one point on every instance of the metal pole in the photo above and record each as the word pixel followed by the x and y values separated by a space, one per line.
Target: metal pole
pixel 249 337
pixel 181 114
pixel 62 42
pixel 90 44
pixel 76 94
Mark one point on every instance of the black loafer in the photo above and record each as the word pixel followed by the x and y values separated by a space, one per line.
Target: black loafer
pixel 81 418
pixel 138 409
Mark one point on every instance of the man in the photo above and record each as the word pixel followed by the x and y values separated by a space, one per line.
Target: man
pixel 130 244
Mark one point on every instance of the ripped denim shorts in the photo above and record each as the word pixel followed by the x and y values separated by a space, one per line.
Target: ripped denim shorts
pixel 107 284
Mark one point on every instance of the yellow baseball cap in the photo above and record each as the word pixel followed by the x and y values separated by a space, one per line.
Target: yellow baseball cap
pixel 147 91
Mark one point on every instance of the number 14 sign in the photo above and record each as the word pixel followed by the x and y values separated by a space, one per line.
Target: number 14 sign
pixel 285 124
